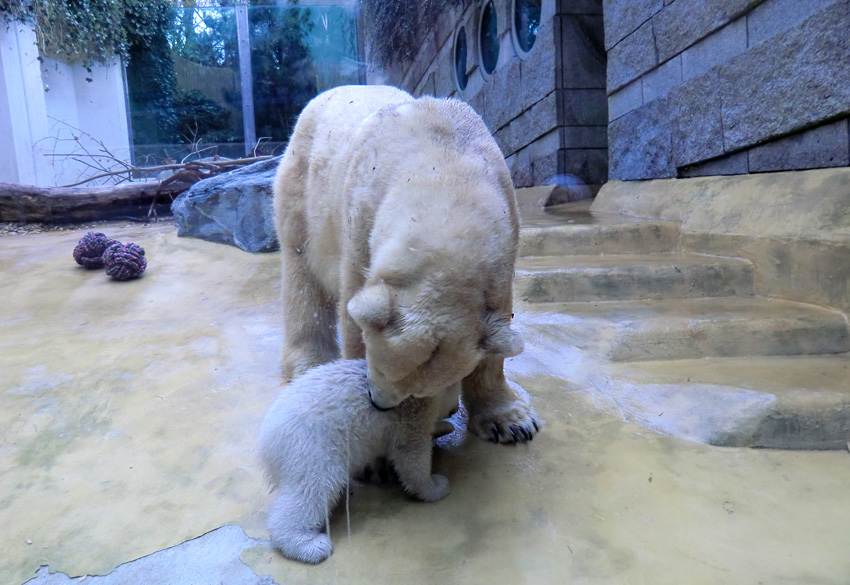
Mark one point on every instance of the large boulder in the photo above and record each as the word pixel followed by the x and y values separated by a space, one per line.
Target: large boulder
pixel 233 208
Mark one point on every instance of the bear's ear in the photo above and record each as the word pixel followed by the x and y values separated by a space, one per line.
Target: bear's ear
pixel 498 337
pixel 370 307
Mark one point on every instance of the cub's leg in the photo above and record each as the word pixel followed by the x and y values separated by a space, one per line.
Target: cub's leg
pixel 411 457
pixel 309 313
pixel 496 411
pixel 295 523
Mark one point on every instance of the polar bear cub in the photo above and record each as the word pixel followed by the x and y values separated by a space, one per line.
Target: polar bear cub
pixel 321 427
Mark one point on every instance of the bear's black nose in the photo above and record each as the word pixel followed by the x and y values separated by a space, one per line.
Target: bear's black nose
pixel 375 405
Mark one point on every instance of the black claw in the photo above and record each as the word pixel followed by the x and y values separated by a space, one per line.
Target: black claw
pixel 526 434
pixel 513 432
pixel 536 428
pixel 495 434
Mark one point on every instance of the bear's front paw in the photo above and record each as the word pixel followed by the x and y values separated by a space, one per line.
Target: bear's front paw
pixel 438 489
pixel 514 422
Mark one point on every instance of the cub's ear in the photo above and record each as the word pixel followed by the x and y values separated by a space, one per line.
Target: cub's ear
pixel 498 337
pixel 370 307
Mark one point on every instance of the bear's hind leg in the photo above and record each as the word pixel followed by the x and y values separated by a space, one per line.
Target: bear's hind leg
pixel 295 525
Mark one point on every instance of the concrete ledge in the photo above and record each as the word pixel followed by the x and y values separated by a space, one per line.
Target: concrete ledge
pixel 650 237
pixel 798 402
pixel 615 277
pixel 793 226
pixel 674 329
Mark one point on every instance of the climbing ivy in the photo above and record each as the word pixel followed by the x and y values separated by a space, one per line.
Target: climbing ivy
pixel 86 31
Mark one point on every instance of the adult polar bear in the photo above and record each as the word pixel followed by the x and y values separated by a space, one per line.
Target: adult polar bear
pixel 400 214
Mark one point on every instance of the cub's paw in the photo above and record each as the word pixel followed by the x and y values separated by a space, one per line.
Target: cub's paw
pixel 315 550
pixel 305 547
pixel 438 489
pixel 512 422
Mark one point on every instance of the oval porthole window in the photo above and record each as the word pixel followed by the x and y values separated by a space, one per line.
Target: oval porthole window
pixel 461 76
pixel 526 24
pixel 488 39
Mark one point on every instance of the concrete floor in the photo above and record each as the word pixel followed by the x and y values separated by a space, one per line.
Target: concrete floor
pixel 128 413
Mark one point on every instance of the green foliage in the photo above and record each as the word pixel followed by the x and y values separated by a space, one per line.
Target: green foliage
pixel 284 79
pixel 85 31
pixel 199 117
pixel 150 77
pixel 148 34
pixel 283 73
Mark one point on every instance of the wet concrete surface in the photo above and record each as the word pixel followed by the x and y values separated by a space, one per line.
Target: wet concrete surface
pixel 129 412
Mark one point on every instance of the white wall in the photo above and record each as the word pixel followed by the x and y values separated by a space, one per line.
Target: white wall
pixel 44 106
pixel 92 111
pixel 23 114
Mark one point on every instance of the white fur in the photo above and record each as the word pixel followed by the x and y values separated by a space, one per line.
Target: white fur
pixel 320 429
pixel 397 218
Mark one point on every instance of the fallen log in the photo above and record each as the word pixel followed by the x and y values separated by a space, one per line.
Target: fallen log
pixel 30 203
pixel 80 203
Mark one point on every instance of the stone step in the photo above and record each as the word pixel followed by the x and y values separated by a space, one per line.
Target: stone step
pixel 554 233
pixel 692 328
pixel 800 402
pixel 541 279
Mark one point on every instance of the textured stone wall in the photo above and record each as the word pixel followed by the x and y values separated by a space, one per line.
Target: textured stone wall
pixel 713 87
pixel 547 111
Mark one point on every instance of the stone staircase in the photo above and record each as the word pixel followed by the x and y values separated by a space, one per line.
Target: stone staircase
pixel 622 291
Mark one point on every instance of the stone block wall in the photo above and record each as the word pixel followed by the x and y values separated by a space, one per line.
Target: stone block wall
pixel 718 87
pixel 547 110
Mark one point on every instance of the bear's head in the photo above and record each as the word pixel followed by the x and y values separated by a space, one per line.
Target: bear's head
pixel 424 337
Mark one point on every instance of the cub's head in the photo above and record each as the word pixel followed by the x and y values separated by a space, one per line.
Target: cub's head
pixel 422 339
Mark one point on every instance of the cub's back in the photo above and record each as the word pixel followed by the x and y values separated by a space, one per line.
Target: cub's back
pixel 322 418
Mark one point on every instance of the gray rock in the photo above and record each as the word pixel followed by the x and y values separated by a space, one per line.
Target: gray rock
pixel 234 208
pixel 567 188
pixel 641 141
